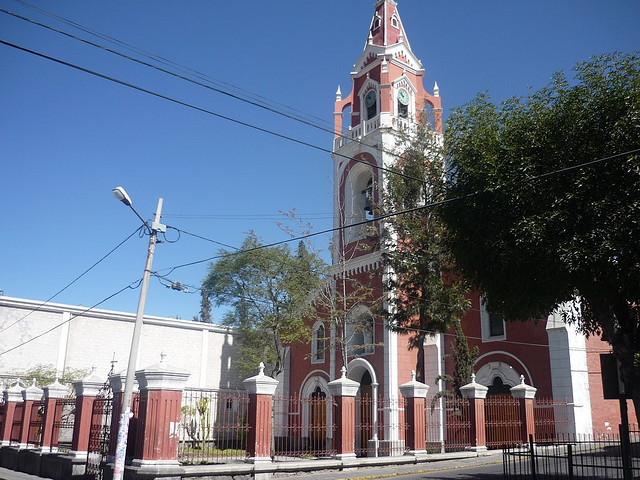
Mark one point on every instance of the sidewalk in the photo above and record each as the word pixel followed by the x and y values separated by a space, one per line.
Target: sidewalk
pixel 356 468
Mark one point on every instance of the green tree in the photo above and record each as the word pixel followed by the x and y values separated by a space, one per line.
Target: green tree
pixel 545 203
pixel 268 290
pixel 205 307
pixel 425 297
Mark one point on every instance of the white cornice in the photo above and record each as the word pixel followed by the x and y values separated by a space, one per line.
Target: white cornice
pixel 81 311
pixel 361 264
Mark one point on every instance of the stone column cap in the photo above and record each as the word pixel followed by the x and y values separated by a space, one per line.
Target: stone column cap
pixel 55 390
pixel 343 386
pixel 118 380
pixel 89 386
pixel 162 376
pixel 261 384
pixel 32 393
pixel 523 390
pixel 14 393
pixel 473 389
pixel 414 389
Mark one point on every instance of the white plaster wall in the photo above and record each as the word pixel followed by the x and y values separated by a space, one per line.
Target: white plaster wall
pixel 96 337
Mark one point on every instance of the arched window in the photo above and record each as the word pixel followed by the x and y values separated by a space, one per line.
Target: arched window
pixel 359 332
pixel 359 201
pixel 318 342
pixel 371 104
pixel 394 21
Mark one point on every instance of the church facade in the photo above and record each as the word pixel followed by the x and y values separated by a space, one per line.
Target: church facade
pixel 387 99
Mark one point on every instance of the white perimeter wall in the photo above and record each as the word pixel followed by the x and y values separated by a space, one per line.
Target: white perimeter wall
pixel 92 339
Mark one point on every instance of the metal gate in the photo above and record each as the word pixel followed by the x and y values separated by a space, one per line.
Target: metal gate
pixel 99 436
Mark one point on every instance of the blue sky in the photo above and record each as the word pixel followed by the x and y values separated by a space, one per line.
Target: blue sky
pixel 67 137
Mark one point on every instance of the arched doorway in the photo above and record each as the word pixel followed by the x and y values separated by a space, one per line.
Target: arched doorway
pixel 364 414
pixel 317 419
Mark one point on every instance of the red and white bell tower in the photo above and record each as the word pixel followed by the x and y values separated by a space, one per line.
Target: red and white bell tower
pixel 372 124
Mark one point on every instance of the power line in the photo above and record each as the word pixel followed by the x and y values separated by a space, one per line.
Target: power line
pixel 402 212
pixel 223 92
pixel 74 280
pixel 71 318
pixel 163 60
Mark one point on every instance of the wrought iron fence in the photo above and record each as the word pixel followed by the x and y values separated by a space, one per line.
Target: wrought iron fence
pixel 303 427
pixel 380 426
pixel 34 437
pixel 550 418
pixel 213 426
pixel 502 421
pixel 99 435
pixel 64 419
pixel 574 457
pixel 448 425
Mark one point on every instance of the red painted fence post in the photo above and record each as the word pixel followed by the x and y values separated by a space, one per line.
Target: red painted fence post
pixel 476 395
pixel 343 391
pixel 30 396
pixel 525 395
pixel 87 390
pixel 261 389
pixel 12 397
pixel 158 428
pixel 52 393
pixel 415 394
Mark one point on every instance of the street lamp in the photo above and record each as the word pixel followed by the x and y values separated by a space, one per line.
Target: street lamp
pixel 123 430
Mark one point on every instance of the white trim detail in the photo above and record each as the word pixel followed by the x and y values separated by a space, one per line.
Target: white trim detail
pixel 510 355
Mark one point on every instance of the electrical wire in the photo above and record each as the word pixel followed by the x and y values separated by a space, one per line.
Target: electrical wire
pixel 72 317
pixel 74 280
pixel 165 61
pixel 223 92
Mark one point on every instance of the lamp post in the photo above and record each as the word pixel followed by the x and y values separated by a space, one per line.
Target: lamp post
pixel 123 430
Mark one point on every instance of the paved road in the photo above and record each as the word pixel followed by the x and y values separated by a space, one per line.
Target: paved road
pixel 484 468
pixel 11 475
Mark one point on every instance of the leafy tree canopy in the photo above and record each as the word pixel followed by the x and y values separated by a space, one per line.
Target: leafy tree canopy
pixel 268 290
pixel 545 202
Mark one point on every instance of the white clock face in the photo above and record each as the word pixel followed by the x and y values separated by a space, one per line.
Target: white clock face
pixel 370 98
pixel 403 96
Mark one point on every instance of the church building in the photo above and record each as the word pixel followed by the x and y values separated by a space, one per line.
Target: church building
pixel 388 98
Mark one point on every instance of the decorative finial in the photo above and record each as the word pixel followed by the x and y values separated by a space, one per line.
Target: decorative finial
pixel 370 39
pixel 343 370
pixel 473 378
pixel 163 356
pixel 338 95
pixel 261 367
pixel 33 383
pixel 436 90
pixel 93 369
pixel 521 379
pixel 413 375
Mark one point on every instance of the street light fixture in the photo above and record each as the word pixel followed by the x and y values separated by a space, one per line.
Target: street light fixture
pixel 123 430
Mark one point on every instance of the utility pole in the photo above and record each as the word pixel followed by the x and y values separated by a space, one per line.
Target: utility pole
pixel 123 430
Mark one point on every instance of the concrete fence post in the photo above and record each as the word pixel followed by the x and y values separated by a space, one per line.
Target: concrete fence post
pixel 525 395
pixel 30 396
pixel 476 395
pixel 261 389
pixel 52 415
pixel 12 397
pixel 158 427
pixel 86 390
pixel 415 393
pixel 343 391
